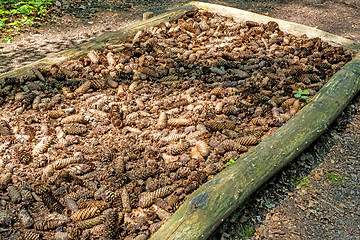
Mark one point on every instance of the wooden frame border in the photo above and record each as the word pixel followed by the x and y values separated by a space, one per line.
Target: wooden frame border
pixel 208 206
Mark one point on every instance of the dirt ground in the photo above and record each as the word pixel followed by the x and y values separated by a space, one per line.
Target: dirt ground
pixel 315 197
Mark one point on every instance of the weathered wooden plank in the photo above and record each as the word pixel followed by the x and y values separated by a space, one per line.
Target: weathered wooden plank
pixel 290 27
pixel 205 209
pixel 98 42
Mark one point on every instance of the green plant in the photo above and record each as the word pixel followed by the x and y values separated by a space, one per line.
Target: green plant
pixel 302 183
pixel 9 39
pixel 301 94
pixel 334 177
pixel 229 162
pixel 27 20
pixel 2 23
pixel 247 232
pixel 16 13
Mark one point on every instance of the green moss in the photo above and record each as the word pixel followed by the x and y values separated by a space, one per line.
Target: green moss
pixel 302 183
pixel 247 232
pixel 335 178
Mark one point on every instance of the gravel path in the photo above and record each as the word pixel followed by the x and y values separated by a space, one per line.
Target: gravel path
pixel 314 197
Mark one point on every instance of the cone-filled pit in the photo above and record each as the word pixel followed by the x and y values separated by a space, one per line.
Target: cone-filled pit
pixel 109 145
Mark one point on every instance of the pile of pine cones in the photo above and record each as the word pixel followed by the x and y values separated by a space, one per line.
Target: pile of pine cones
pixel 109 145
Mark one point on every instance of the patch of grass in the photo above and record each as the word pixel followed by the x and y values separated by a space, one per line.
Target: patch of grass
pixel 335 178
pixel 247 232
pixel 302 183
